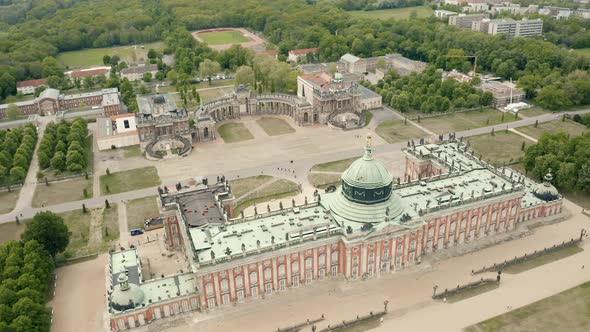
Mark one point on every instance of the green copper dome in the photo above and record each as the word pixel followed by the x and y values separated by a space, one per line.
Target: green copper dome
pixel 367 181
pixel 546 191
pixel 126 295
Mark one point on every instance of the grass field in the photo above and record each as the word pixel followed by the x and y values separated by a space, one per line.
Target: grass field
pixel 503 147
pixel 8 200
pixel 62 192
pixel 570 127
pixel 396 131
pixel 543 259
pixel 140 209
pixel 93 56
pixel 274 126
pixel 397 13
pixel 279 189
pixel 583 51
pixel 566 311
pixel 466 120
pixel 133 179
pixel 223 37
pixel 530 112
pixel 110 225
pixel 234 132
pixel 132 151
pixel 11 231
pixel 368 117
pixel 242 186
pixel 322 180
pixel 334 166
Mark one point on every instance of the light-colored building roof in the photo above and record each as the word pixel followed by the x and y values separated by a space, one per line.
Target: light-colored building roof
pixel 350 58
pixel 303 51
pixel 89 72
pixel 139 69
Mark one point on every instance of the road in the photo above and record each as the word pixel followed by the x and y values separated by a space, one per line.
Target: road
pixel 298 170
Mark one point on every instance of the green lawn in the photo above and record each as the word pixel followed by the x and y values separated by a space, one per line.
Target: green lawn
pixel 223 37
pixel 334 166
pixel 503 147
pixel 140 209
pixel 93 56
pixel 531 112
pixel 242 186
pixel 8 200
pixel 133 179
pixel 397 13
pixel 132 151
pixel 110 225
pixel 11 231
pixel 279 189
pixel 543 259
pixel 467 120
pixel 396 131
pixel 368 117
pixel 570 127
pixel 566 311
pixel 274 126
pixel 234 132
pixel 322 180
pixel 583 51
pixel 62 192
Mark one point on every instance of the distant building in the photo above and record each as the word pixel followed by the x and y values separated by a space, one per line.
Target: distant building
pixel 474 7
pixel 118 130
pixel 512 28
pixel 560 13
pixel 28 87
pixel 353 64
pixel 503 93
pixel 296 55
pixel 50 101
pixel 464 21
pixel 136 73
pixel 583 13
pixel 161 125
pixel 272 53
pixel 443 14
pixel 89 72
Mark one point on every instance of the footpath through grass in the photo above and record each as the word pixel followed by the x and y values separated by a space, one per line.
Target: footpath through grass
pixel 566 311
pixel 396 13
pixel 242 186
pixel 279 189
pixel 133 179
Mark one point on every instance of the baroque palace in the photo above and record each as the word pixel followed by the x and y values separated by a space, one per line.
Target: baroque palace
pixel 373 224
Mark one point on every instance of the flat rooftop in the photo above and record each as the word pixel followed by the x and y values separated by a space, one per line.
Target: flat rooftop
pixel 126 260
pixel 198 207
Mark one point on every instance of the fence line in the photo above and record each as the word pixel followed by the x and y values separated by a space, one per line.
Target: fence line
pixel 352 322
pixel 460 288
pixel 516 260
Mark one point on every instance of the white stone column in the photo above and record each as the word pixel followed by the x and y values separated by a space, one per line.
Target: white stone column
pixel 275 272
pixel 217 289
pixel 363 260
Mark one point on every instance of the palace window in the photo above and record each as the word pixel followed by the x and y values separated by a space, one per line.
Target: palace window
pixel 253 278
pixel 239 281
pixel 224 285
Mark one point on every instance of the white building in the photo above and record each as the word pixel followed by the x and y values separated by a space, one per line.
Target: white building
pixel 464 21
pixel 297 55
pixel 28 87
pixel 443 14
pixel 354 64
pixel 510 27
pixel 136 73
pixel 118 131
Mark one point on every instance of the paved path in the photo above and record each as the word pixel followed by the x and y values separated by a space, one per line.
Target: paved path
pixel 301 168
pixel 28 189
pixel 517 132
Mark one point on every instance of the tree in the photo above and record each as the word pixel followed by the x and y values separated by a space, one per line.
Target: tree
pixel 49 230
pixel 106 59
pixel 74 161
pixel 245 76
pixel 50 67
pixel 152 54
pixel 13 112
pixel 18 173
pixel 147 77
pixel 208 68
pixel 58 162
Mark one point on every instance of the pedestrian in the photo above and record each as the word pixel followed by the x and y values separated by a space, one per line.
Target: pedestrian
pixel 445 300
pixel 582 267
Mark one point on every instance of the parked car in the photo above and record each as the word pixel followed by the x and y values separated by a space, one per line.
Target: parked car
pixel 136 231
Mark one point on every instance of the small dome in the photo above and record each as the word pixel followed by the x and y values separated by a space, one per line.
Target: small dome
pixel 367 180
pixel 338 77
pixel 159 99
pixel 126 295
pixel 546 191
